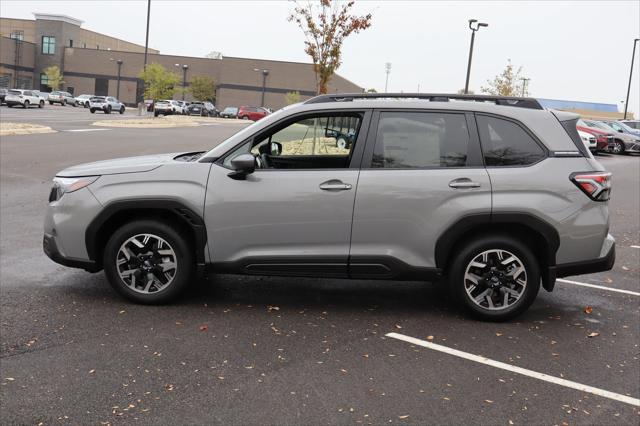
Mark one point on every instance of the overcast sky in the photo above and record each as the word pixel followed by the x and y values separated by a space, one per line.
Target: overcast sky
pixel 570 50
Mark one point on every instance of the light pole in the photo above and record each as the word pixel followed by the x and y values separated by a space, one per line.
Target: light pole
pixel 119 62
pixel 146 48
pixel 185 67
pixel 525 81
pixel 265 73
pixel 387 69
pixel 633 58
pixel 474 25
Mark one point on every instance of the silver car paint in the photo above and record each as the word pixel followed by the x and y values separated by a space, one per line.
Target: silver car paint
pixel 143 163
pixel 401 213
pixel 278 213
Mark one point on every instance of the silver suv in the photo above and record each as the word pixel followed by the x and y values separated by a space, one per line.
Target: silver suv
pixel 496 196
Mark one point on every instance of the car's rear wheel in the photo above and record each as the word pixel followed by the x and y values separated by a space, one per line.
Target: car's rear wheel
pixel 86 104
pixel 148 262
pixel 41 104
pixel 244 117
pixel 618 147
pixel 494 277
pixel 92 110
pixel 122 110
pixel 50 102
pixel 64 102
pixel 25 105
pixel 108 109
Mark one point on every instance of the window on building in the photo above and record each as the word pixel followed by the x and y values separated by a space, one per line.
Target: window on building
pixel 44 83
pixel 24 82
pixel 48 45
pixel 407 140
pixel 17 35
pixel 71 90
pixel 505 143
pixel 5 80
pixel 70 43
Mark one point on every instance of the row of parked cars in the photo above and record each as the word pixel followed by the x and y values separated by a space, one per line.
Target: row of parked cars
pixel 618 137
pixel 205 109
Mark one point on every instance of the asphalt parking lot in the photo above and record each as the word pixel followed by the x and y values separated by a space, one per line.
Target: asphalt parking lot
pixel 249 350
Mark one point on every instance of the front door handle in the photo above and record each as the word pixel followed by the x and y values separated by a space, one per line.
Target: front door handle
pixel 463 183
pixel 334 185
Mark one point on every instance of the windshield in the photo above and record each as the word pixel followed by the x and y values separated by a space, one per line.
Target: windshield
pixel 602 126
pixel 15 92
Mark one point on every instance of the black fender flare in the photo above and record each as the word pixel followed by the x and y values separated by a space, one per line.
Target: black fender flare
pixel 173 207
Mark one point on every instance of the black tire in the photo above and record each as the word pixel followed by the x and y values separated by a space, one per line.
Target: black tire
pixel 184 260
pixel 10 105
pixel 121 110
pixel 50 103
pixel 155 114
pixel 86 104
pixel 25 105
pixel 108 110
pixel 93 111
pixel 618 147
pixel 244 117
pixel 64 102
pixel 468 251
pixel 41 104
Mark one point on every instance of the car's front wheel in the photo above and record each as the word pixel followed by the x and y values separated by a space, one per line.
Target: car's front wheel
pixel 121 110
pixel 25 105
pixel 148 261
pixel 41 104
pixel 495 277
pixel 92 110
pixel 618 147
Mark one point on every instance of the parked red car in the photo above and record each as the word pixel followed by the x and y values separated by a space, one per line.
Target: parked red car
pixel 604 139
pixel 252 113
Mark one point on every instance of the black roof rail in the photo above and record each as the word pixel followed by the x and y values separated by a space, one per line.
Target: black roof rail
pixel 530 103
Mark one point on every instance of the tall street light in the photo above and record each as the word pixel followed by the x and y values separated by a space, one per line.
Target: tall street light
pixel 474 25
pixel 265 73
pixel 633 58
pixel 146 48
pixel 387 69
pixel 119 62
pixel 525 82
pixel 185 67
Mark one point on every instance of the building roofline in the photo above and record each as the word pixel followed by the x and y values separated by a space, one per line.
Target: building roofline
pixel 58 17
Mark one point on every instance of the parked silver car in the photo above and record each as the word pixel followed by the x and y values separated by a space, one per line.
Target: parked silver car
pixel 83 100
pixel 62 98
pixel 496 197
pixel 106 104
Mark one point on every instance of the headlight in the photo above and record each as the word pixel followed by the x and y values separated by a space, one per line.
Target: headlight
pixel 63 185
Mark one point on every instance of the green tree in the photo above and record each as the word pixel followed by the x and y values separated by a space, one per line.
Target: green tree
pixel 203 88
pixel 507 83
pixel 54 77
pixel 372 90
pixel 292 97
pixel 158 82
pixel 326 25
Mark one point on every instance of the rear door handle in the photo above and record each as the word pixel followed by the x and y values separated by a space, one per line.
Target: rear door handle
pixel 463 183
pixel 334 185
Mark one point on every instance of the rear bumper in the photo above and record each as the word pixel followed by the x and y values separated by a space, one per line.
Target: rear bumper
pixel 50 248
pixel 588 266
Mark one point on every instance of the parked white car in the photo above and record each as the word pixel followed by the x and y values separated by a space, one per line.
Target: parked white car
pixel 589 140
pixel 24 98
pixel 106 104
pixel 83 100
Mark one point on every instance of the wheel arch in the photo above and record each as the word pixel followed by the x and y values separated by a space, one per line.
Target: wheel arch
pixel 169 211
pixel 535 232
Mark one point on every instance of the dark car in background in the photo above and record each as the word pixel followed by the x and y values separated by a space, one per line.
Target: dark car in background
pixel 203 109
pixel 62 98
pixel 229 112
pixel 252 113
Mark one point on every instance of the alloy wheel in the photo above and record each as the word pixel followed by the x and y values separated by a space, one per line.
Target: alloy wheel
pixel 146 263
pixel 495 279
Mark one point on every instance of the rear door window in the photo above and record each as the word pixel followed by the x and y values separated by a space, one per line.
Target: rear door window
pixel 506 143
pixel 407 140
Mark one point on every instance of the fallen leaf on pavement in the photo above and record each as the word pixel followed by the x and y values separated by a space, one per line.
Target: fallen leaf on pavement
pixel 624 268
pixel 488 401
pixel 204 327
pixel 429 337
pixel 92 371
pixel 398 326
pixel 594 334
pixel 122 312
pixel 588 310
pixel 273 308
pixel 403 417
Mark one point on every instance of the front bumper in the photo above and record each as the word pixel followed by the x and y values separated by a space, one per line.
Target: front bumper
pixel 50 248
pixel 632 146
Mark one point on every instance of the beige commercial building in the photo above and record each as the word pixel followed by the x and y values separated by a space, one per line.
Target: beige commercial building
pixel 98 64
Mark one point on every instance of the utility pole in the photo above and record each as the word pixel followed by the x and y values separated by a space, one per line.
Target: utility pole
pixel 633 58
pixel 265 73
pixel 525 81
pixel 146 41
pixel 387 68
pixel 119 62
pixel 474 25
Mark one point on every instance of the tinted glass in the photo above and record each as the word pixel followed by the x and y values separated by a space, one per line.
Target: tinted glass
pixel 417 140
pixel 505 143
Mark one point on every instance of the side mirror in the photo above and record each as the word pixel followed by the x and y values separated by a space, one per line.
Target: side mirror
pixel 276 148
pixel 243 165
pixel 620 131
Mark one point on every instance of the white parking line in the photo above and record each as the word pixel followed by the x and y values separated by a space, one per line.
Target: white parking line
pixel 635 247
pixel 600 287
pixel 85 130
pixel 508 367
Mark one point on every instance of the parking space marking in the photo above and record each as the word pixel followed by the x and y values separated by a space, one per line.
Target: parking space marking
pixel 600 287
pixel 85 130
pixel 514 369
pixel 638 247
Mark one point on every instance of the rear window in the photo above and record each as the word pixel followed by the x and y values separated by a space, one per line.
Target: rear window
pixel 505 143
pixel 15 92
pixel 97 99
pixel 570 127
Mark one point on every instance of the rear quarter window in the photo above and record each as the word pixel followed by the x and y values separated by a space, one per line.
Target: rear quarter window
pixel 506 143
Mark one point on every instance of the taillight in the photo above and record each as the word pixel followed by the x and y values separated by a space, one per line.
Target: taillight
pixel 597 185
